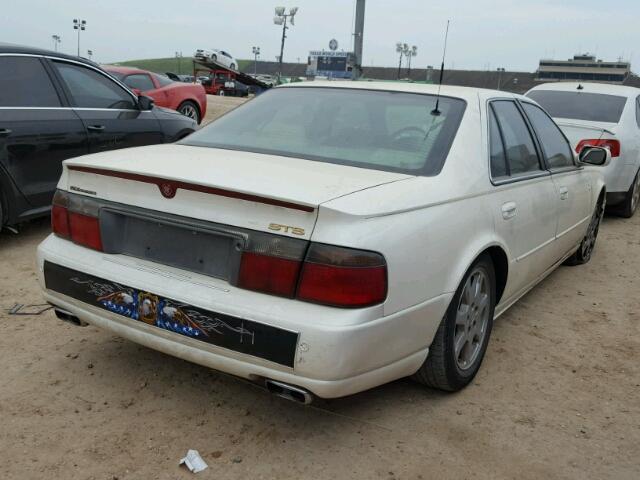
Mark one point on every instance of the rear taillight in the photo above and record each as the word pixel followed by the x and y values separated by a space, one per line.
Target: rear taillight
pixel 343 277
pixel 271 264
pixel 329 275
pixel 76 218
pixel 612 145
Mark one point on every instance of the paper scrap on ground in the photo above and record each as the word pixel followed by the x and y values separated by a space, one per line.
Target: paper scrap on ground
pixel 194 461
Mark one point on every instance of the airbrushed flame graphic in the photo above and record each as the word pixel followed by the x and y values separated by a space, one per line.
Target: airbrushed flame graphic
pixel 162 313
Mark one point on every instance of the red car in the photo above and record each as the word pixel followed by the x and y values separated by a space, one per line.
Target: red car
pixel 187 98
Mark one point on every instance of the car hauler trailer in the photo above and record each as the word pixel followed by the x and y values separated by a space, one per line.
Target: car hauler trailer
pixel 223 80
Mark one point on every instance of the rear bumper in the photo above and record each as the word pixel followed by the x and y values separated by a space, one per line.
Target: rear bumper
pixel 337 352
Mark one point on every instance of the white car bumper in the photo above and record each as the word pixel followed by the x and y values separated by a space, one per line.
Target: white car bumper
pixel 338 352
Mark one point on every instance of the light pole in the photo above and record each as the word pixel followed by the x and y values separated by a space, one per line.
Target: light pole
pixel 400 48
pixel 411 52
pixel 256 53
pixel 90 54
pixel 79 25
pixel 179 61
pixel 281 19
pixel 56 40
pixel 500 72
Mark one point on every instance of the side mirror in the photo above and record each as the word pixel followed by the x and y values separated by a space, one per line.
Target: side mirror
pixel 598 156
pixel 145 103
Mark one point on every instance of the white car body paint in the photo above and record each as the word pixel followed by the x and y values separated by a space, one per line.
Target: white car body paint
pixel 429 229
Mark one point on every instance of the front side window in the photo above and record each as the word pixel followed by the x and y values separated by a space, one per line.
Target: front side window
pixel 139 81
pixel 594 107
pixel 90 89
pixel 390 131
pixel 556 147
pixel 519 148
pixel 24 82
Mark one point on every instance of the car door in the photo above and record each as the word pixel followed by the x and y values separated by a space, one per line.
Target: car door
pixel 37 129
pixel 523 196
pixel 109 112
pixel 572 183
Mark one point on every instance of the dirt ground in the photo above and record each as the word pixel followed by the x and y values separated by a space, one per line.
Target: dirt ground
pixel 558 395
pixel 217 106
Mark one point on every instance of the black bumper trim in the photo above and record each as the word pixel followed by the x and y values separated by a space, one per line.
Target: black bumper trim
pixel 245 336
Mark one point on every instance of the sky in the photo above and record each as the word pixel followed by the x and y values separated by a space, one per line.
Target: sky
pixel 513 34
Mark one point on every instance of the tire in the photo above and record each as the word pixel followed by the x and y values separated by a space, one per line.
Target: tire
pixel 449 367
pixel 588 243
pixel 632 199
pixel 221 93
pixel 2 218
pixel 232 66
pixel 191 110
pixel 214 58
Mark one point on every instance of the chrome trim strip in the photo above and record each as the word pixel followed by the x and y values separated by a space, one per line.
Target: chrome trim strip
pixel 573 227
pixel 76 108
pixel 539 247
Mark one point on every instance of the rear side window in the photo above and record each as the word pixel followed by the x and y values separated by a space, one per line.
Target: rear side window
pixel 594 107
pixel 25 83
pixel 163 81
pixel 556 147
pixel 518 145
pixel 498 158
pixel 140 81
pixel 90 89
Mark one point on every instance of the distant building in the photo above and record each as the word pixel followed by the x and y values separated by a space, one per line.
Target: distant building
pixel 583 68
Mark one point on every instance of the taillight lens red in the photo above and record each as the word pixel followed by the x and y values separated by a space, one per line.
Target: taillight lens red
pixel 76 219
pixel 268 274
pixel 343 277
pixel 60 221
pixel 329 275
pixel 85 230
pixel 612 145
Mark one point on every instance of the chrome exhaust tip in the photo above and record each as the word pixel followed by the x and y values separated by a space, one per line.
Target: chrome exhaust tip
pixel 69 317
pixel 289 392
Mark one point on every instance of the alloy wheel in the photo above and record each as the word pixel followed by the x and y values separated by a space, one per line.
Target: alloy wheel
pixel 589 241
pixel 472 319
pixel 190 111
pixel 635 195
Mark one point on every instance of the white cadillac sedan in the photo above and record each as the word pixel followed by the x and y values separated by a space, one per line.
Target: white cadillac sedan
pixel 326 238
pixel 604 115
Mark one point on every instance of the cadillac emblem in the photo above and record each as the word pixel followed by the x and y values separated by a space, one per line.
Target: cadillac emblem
pixel 168 190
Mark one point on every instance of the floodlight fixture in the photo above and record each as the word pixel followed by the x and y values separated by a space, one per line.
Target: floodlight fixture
pixel 280 11
pixel 278 20
pixel 293 11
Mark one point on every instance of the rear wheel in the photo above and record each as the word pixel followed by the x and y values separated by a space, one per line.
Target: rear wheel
pixel 214 58
pixel 221 93
pixel 190 109
pixel 632 199
pixel 232 66
pixel 585 250
pixel 461 341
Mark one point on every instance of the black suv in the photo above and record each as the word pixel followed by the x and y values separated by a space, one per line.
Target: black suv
pixel 55 106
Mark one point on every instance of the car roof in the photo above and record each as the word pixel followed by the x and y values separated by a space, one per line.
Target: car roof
pixel 8 48
pixel 470 94
pixel 604 88
pixel 124 70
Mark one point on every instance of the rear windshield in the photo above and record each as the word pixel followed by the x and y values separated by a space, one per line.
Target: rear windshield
pixel 594 107
pixel 389 131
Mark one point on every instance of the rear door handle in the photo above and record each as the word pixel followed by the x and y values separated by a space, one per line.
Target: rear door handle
pixel 4 132
pixel 95 128
pixel 509 210
pixel 564 193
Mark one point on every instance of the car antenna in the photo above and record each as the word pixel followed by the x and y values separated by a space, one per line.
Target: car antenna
pixel 436 111
pixel 580 87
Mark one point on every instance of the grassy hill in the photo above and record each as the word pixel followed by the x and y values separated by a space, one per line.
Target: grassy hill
pixel 182 65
